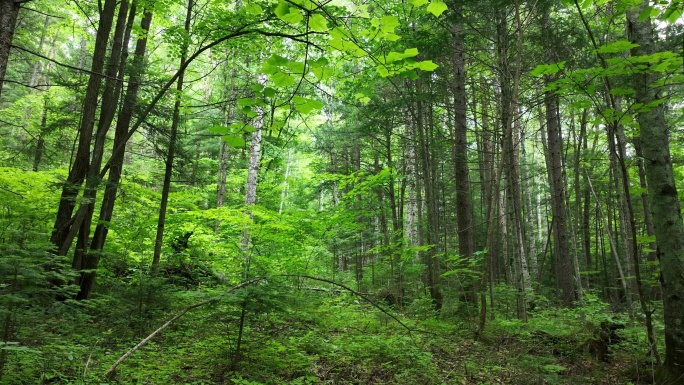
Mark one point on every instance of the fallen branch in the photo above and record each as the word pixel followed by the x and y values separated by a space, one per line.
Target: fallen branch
pixel 112 369
pixel 109 373
pixel 347 288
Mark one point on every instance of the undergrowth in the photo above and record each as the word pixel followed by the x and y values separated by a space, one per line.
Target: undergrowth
pixel 293 336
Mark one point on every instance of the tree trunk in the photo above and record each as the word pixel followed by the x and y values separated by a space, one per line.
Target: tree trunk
pixel 63 230
pixel 666 210
pixel 223 146
pixel 168 171
pixel 253 170
pixel 464 215
pixel 565 271
pixel 121 130
pixel 283 192
pixel 83 259
pixel 9 9
pixel 428 173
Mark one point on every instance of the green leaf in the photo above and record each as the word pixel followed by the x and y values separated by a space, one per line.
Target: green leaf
pixel 418 3
pixel 277 60
pixel 391 36
pixel 282 79
pixel 672 13
pixel 622 91
pixel 337 43
pixel 411 52
pixel 320 62
pixel 282 9
pixel 269 92
pixel 245 102
pixel 305 105
pixel 296 67
pixel 645 14
pixel 437 7
pixel 382 70
pixel 427 65
pixel 287 14
pixel 548 69
pixel 617 46
pixel 254 9
pixel 248 128
pixel 219 130
pixel 234 141
pixel 389 23
pixel 318 23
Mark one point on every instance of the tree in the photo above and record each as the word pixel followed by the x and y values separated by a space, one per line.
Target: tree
pixel 662 191
pixel 9 10
pixel 565 271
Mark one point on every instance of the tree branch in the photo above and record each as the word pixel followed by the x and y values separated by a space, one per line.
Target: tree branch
pixel 112 369
pixel 110 372
pixel 62 64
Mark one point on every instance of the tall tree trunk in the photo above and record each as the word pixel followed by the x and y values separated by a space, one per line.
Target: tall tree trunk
pixel 228 111
pixel 464 214
pixel 428 173
pixel 655 290
pixel 283 192
pixel 662 190
pixel 121 130
pixel 253 170
pixel 168 171
pixel 66 227
pixel 565 271
pixel 83 259
pixel 411 175
pixel 509 82
pixel 613 248
pixel 9 9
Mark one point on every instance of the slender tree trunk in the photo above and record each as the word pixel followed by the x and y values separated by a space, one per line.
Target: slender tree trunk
pixel 83 259
pixel 253 170
pixel 529 209
pixel 428 173
pixel 65 227
pixel 9 9
pixel 655 290
pixel 223 146
pixel 283 192
pixel 613 248
pixel 517 260
pixel 464 215
pixel 411 221
pixel 566 279
pixel 168 172
pixel 120 131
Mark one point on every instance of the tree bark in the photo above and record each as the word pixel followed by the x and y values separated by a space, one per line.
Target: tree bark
pixel 565 271
pixel 662 190
pixel 120 131
pixel 9 10
pixel 464 215
pixel 63 234
pixel 83 259
pixel 223 146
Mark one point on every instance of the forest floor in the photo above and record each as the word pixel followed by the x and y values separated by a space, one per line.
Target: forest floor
pixel 334 339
